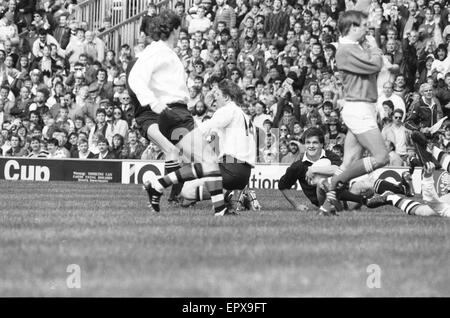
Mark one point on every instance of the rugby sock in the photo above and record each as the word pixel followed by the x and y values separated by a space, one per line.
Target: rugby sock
pixel 214 185
pixel 406 205
pixel 186 173
pixel 171 166
pixel 381 186
pixel 358 168
pixel 442 157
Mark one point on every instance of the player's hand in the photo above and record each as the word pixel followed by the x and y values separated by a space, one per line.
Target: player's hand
pixel 428 169
pixel 371 41
pixel 425 130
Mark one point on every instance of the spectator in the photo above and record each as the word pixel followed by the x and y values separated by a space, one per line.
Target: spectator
pixel 36 151
pixel 103 147
pixel 224 13
pixel 118 125
pixel 83 151
pixel 134 147
pixel 118 147
pixel 397 134
pixel 15 150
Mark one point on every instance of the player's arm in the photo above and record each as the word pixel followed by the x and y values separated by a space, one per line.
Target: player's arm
pixel 220 119
pixel 140 76
pixel 355 60
pixel 287 181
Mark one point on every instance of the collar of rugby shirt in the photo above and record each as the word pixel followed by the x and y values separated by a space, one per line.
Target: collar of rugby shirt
pixel 306 159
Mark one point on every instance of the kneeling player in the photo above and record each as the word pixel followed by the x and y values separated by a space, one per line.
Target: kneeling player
pixel 236 144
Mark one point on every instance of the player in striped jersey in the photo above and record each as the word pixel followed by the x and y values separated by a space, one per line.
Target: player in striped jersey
pixel 237 152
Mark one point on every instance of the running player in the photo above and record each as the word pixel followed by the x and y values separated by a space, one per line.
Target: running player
pixel 360 67
pixel 157 82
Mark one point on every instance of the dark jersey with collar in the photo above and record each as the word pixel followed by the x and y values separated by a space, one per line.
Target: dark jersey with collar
pixel 297 171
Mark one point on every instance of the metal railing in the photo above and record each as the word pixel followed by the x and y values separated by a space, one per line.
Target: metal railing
pixel 128 31
pixel 94 12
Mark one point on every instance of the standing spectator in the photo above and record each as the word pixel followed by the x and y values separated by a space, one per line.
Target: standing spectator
pixel 397 134
pixel 199 22
pixel 394 158
pixel 62 32
pixel 146 28
pixel 224 13
pixel 277 22
pixel 425 112
pixel 94 47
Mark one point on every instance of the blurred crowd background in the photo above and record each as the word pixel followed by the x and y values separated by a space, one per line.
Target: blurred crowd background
pixel 63 91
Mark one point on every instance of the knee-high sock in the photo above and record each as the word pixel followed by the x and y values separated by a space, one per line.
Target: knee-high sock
pixel 382 186
pixel 406 205
pixel 186 173
pixel 213 181
pixel 358 168
pixel 214 185
pixel 171 166
pixel 442 157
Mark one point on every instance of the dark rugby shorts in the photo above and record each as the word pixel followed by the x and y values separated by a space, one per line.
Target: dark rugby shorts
pixel 175 122
pixel 235 175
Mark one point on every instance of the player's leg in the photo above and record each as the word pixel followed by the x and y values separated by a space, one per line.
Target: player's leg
pixel 352 152
pixel 408 206
pixel 193 146
pixel 174 125
pixel 374 143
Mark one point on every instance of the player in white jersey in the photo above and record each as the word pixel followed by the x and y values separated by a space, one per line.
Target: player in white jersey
pixel 231 168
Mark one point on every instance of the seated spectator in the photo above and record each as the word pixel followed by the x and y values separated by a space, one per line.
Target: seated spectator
pixel 153 152
pixel 36 151
pixel 16 150
pixel 333 136
pixel 134 147
pixel 118 146
pixel 118 125
pixel 83 150
pixel 103 147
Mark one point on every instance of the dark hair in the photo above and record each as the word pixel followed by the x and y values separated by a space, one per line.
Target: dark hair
pixel 313 132
pixel 53 141
pixel 100 110
pixel 231 89
pixel 164 24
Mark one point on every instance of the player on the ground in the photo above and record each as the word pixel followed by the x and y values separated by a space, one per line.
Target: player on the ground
pixel 434 206
pixel 360 67
pixel 157 82
pixel 236 157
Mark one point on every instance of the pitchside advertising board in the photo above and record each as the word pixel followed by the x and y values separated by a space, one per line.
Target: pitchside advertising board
pixel 134 172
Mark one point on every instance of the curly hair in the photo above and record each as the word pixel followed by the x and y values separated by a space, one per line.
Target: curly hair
pixel 163 25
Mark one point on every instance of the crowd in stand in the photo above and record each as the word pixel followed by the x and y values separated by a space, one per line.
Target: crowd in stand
pixel 63 92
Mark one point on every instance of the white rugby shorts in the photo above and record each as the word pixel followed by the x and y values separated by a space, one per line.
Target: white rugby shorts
pixel 359 117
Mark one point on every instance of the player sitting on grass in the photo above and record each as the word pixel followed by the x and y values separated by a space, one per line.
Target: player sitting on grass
pixel 236 157
pixel 317 164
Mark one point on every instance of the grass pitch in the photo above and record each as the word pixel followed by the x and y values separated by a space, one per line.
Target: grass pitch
pixel 124 250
